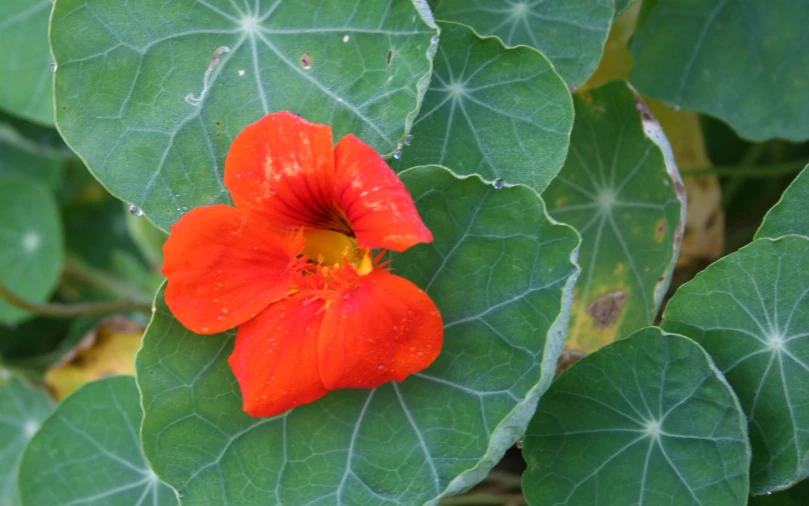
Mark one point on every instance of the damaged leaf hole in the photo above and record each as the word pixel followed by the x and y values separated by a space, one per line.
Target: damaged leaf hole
pixel 306 61
pixel 606 309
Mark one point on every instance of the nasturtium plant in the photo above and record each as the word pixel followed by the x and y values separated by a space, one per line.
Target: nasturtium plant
pixel 26 87
pixel 23 408
pixel 31 248
pixel 98 424
pixel 500 272
pixel 496 112
pixel 750 311
pixel 175 95
pixel 543 150
pixel 681 56
pixel 651 412
pixel 570 33
pixel 618 192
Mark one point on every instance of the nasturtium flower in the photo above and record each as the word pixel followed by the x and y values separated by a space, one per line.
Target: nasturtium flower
pixel 291 266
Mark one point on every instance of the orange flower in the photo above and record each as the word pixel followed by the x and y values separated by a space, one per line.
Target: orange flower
pixel 291 266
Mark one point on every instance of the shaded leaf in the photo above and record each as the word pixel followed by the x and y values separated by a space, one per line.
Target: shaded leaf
pixel 31 239
pixel 27 57
pixel 662 427
pixel 618 191
pixel 750 311
pixel 791 214
pixel 180 80
pixel 743 62
pixel 501 274
pixel 497 112
pixel 22 410
pixel 96 425
pixel 570 33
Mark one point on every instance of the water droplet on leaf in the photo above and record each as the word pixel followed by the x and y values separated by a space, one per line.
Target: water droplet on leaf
pixel 408 140
pixel 499 184
pixel 397 154
pixel 135 210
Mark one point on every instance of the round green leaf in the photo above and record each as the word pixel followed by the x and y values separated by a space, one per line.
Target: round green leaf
pixel 497 112
pixel 500 272
pixel 647 421
pixel 571 33
pixel 152 94
pixel 627 202
pixel 741 61
pixel 750 311
pixel 27 57
pixel 88 452
pixel 791 214
pixel 22 410
pixel 30 241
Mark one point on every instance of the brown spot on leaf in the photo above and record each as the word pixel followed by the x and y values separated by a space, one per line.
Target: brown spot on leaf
pixel 660 230
pixel 390 57
pixel 567 359
pixel 306 61
pixel 619 268
pixel 606 309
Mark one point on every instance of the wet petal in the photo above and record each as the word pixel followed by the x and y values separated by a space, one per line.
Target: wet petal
pixel 376 202
pixel 384 329
pixel 276 355
pixel 224 266
pixel 282 167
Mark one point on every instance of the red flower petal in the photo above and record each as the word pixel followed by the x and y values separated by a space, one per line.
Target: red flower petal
pixel 385 329
pixel 282 167
pixel 276 355
pixel 224 266
pixel 376 202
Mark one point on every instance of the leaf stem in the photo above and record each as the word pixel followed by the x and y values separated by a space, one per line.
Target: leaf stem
pixel 57 310
pixel 82 272
pixel 760 171
pixel 485 499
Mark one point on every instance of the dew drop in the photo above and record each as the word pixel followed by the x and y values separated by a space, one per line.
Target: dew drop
pixel 52 67
pixel 225 310
pixel 408 140
pixel 346 38
pixel 135 210
pixel 381 367
pixel 205 329
pixel 499 184
pixel 519 444
pixel 220 317
pixel 434 40
pixel 397 154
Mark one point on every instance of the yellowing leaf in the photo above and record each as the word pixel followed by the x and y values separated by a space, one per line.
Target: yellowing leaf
pixel 108 350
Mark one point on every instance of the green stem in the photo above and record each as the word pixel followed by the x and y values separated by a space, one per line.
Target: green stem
pixel 71 310
pixel 485 499
pixel 761 171
pixel 90 276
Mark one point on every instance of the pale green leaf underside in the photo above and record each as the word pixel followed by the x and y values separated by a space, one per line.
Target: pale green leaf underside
pixel 750 311
pixel 616 190
pixel 22 410
pixel 499 271
pixel 492 111
pixel 31 248
pixel 791 214
pixel 26 86
pixel 571 33
pixel 87 453
pixel 647 421
pixel 151 93
pixel 742 61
